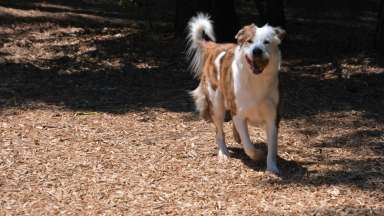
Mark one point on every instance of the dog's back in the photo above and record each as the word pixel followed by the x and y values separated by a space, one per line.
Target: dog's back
pixel 210 63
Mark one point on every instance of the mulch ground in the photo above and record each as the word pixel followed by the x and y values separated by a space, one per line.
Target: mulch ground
pixel 95 119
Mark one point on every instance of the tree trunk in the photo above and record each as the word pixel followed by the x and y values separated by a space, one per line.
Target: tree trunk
pixel 223 14
pixel 380 31
pixel 275 12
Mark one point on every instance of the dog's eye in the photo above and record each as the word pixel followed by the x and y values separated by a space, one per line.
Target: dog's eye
pixel 266 42
pixel 250 41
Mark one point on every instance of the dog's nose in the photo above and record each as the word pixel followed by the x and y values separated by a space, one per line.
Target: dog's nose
pixel 257 51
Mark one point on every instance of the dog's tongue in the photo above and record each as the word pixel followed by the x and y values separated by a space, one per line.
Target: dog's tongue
pixel 255 68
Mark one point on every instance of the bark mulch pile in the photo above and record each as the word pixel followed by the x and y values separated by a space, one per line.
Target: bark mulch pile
pixel 95 118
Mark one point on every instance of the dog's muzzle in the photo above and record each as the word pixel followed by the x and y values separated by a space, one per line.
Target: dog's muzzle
pixel 257 63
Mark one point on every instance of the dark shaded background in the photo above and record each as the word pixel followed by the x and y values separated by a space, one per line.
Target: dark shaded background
pixel 327 39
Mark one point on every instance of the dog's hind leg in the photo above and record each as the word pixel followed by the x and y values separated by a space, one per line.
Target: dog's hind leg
pixel 236 135
pixel 218 116
pixel 201 101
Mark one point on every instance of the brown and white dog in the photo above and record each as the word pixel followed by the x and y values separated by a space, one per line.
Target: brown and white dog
pixel 239 78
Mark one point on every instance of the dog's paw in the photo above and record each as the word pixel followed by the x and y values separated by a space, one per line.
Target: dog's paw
pixel 272 169
pixel 223 155
pixel 255 154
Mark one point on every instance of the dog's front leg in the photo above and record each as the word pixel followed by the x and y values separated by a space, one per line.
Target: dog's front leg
pixel 271 132
pixel 242 128
pixel 272 148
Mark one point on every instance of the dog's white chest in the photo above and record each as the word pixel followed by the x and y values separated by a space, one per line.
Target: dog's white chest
pixel 253 93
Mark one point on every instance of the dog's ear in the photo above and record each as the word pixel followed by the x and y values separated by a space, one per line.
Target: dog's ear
pixel 246 33
pixel 280 33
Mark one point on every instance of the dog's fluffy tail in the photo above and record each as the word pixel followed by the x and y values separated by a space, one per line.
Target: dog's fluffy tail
pixel 200 29
pixel 201 101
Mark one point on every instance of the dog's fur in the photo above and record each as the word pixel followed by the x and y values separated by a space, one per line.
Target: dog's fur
pixel 239 78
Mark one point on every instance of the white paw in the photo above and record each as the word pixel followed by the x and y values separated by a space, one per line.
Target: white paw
pixel 223 155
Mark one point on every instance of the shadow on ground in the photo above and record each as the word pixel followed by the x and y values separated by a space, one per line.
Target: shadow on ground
pixel 362 173
pixel 133 84
pixel 103 66
pixel 290 169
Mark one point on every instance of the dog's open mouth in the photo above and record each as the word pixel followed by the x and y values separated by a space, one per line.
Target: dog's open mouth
pixel 257 65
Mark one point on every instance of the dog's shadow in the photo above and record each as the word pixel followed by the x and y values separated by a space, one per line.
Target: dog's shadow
pixel 289 169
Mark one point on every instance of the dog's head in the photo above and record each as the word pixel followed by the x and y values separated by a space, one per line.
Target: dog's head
pixel 259 45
